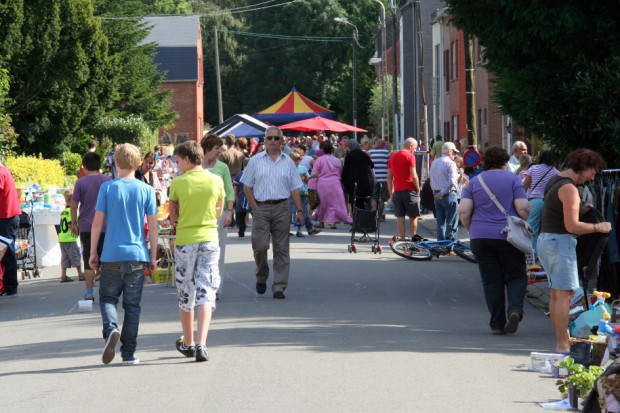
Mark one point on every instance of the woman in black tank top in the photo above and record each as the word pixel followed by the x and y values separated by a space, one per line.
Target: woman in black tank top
pixel 556 243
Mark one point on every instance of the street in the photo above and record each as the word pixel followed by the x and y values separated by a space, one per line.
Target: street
pixel 356 333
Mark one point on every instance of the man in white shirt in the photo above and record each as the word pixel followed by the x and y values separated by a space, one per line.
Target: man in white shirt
pixel 518 148
pixel 444 182
pixel 269 180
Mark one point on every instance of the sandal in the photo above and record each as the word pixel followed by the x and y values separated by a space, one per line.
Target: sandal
pixel 333 226
pixel 66 280
pixel 319 225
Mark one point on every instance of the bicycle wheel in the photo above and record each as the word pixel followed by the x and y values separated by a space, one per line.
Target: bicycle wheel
pixel 464 252
pixel 411 250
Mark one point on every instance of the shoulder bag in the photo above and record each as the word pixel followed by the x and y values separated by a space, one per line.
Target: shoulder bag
pixel 518 231
pixel 313 196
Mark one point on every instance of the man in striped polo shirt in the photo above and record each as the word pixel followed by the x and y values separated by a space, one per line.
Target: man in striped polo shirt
pixel 269 180
pixel 444 176
pixel 380 194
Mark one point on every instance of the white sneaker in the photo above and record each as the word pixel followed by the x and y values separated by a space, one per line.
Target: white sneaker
pixel 131 362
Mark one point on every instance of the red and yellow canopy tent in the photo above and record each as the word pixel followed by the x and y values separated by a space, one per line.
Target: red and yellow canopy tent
pixel 291 108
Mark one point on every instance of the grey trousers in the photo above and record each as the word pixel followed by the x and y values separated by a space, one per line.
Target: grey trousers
pixel 222 234
pixel 272 222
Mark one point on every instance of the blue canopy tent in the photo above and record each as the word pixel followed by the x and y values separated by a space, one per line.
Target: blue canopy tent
pixel 240 125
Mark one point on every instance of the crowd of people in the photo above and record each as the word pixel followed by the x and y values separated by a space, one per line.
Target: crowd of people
pixel 308 182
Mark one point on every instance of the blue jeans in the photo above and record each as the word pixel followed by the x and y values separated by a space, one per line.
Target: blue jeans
pixel 535 218
pixel 304 207
pixel 126 277
pixel 446 213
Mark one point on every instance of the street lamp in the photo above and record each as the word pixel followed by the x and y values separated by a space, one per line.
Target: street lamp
pixel 354 41
pixel 383 70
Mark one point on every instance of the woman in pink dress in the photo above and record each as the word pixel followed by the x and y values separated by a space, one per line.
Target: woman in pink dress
pixel 327 170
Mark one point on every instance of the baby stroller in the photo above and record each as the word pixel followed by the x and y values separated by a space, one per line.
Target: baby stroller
pixel 364 222
pixel 24 248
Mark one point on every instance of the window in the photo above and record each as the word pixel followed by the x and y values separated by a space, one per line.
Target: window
pixel 453 58
pixel 455 128
pixel 484 117
pixel 181 137
pixel 166 139
pixel 446 129
pixel 446 68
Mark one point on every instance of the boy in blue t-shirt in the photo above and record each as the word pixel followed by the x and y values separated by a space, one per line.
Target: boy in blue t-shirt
pixel 303 192
pixel 125 202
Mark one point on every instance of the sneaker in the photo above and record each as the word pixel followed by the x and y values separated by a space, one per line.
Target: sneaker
pixel 109 351
pixel 300 234
pixel 8 294
pixel 314 232
pixel 513 323
pixel 187 351
pixel 201 353
pixel 131 362
pixel 418 238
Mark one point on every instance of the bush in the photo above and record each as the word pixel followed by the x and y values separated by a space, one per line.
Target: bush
pixel 73 161
pixel 39 170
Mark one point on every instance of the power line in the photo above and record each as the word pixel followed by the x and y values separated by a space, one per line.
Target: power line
pixel 243 9
pixel 287 37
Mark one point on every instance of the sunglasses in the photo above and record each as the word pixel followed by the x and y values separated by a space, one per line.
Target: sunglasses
pixel 275 138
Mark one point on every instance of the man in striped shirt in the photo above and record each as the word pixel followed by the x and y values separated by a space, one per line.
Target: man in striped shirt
pixel 380 194
pixel 269 180
pixel 444 176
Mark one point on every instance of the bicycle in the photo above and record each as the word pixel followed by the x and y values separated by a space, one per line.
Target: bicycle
pixel 425 250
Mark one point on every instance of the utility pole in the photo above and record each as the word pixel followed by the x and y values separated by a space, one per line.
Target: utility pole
pixel 395 104
pixel 354 45
pixel 385 125
pixel 220 105
pixel 470 92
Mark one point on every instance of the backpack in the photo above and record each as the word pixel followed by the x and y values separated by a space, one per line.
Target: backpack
pixel 427 199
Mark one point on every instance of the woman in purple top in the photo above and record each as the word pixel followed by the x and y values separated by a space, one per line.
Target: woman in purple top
pixel 501 265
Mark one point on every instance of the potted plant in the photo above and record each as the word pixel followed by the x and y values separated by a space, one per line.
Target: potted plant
pixel 579 380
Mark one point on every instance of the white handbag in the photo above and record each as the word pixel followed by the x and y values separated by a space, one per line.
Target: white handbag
pixel 518 231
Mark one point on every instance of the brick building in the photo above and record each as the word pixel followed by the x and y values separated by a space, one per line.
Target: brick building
pixel 449 104
pixel 179 54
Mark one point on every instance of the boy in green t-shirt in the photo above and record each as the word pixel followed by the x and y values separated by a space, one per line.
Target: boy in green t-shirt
pixel 196 200
pixel 69 248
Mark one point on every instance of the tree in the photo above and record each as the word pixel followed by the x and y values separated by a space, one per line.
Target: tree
pixel 60 74
pixel 138 87
pixel 258 69
pixel 8 137
pixel 556 66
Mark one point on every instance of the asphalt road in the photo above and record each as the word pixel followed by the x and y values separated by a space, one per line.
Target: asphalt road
pixel 356 333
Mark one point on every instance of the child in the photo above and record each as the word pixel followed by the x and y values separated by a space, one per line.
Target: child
pixel 242 205
pixel 69 249
pixel 85 197
pixel 124 201
pixel 297 156
pixel 196 200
